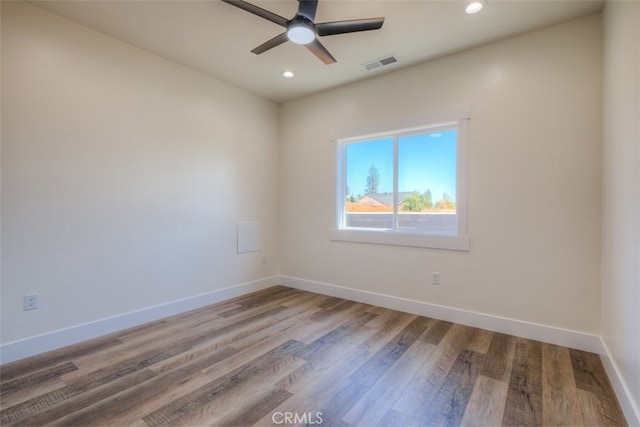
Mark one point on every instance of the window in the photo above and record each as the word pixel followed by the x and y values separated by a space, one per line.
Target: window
pixel 405 187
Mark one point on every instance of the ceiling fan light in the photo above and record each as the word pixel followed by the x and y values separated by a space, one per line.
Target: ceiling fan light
pixel 475 6
pixel 300 34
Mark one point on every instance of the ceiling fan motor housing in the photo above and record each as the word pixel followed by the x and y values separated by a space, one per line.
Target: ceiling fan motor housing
pixel 301 30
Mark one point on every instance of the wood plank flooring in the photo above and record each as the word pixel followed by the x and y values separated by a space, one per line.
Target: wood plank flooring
pixel 283 356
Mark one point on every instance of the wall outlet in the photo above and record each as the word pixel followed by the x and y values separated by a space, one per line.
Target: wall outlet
pixel 264 259
pixel 30 301
pixel 435 278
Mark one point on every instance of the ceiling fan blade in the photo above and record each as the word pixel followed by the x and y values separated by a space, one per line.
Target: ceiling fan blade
pixel 320 51
pixel 307 8
pixel 276 41
pixel 350 26
pixel 263 13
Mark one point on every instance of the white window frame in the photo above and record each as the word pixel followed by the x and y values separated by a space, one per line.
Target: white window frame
pixel 455 116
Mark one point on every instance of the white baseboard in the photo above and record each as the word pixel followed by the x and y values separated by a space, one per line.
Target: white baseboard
pixel 628 404
pixel 534 331
pixel 31 346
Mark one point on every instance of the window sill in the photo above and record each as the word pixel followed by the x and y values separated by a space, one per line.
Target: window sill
pixel 395 238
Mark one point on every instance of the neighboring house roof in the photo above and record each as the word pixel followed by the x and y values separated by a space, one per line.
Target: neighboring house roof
pixel 370 201
pixel 386 198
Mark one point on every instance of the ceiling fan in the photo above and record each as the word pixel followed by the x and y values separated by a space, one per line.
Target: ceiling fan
pixel 302 30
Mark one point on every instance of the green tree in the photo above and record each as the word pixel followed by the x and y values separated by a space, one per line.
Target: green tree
pixel 414 202
pixel 373 181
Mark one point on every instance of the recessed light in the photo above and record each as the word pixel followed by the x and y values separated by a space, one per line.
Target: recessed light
pixel 475 6
pixel 288 74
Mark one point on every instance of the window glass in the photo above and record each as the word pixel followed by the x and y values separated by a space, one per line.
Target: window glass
pixel 369 184
pixel 427 182
pixel 405 182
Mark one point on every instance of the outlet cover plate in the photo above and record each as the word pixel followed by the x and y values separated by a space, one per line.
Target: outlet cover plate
pixel 30 301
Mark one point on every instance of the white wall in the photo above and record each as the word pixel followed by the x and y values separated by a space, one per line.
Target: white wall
pixel 621 193
pixel 123 176
pixel 533 180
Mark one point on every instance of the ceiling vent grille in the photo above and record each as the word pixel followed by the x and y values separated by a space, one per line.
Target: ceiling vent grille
pixel 380 62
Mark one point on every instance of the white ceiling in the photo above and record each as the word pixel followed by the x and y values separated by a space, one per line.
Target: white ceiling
pixel 216 38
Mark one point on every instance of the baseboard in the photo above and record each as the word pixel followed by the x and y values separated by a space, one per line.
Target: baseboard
pixel 628 404
pixel 31 346
pixel 535 331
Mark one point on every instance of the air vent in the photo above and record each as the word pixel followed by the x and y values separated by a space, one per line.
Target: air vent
pixel 380 62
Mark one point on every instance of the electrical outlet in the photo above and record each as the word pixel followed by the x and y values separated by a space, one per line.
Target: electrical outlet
pixel 435 278
pixel 30 301
pixel 264 259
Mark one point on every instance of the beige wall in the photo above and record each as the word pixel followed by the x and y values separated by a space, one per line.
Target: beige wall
pixel 123 176
pixel 621 192
pixel 533 180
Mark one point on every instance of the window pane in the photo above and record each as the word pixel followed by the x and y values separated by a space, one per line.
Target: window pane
pixel 369 184
pixel 427 182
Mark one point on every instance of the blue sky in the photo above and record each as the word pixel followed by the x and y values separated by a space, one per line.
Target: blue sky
pixel 426 161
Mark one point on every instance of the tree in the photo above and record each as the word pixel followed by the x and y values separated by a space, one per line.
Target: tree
pixel 428 199
pixel 373 181
pixel 446 203
pixel 414 202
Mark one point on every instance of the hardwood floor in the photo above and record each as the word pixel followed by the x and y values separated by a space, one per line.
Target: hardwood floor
pixel 283 356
